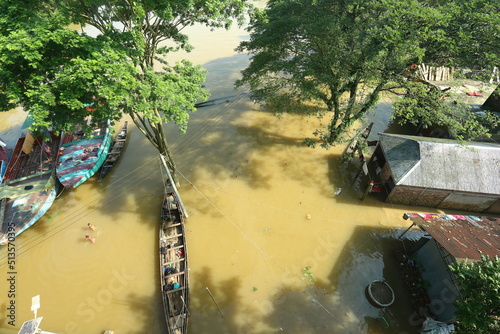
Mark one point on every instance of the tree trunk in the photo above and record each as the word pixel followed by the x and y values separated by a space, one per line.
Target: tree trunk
pixel 155 133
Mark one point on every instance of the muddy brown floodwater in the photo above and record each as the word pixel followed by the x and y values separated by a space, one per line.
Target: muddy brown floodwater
pixel 279 250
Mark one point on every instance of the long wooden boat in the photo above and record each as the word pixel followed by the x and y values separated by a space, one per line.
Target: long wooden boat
pixel 114 153
pixel 173 263
pixel 4 159
pixel 79 159
pixel 29 186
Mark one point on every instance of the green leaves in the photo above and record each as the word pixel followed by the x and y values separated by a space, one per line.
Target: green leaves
pixel 426 106
pixel 341 54
pixel 338 53
pixel 479 309
pixel 54 72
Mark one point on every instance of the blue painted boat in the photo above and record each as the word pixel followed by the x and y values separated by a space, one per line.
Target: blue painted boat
pixel 80 159
pixel 24 203
pixel 29 186
pixel 4 159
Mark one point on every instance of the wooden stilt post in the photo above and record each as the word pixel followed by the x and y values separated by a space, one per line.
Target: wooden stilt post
pixel 368 189
pixel 359 172
pixel 406 231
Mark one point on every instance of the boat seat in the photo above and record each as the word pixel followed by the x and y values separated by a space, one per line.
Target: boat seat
pixel 176 274
pixel 172 262
pixel 174 236
pixel 176 290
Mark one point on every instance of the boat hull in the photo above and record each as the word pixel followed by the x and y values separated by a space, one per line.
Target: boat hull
pixel 24 203
pixel 4 159
pixel 174 271
pixel 114 152
pixel 80 160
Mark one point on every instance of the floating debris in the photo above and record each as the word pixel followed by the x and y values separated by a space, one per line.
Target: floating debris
pixel 308 216
pixel 308 273
pixel 338 191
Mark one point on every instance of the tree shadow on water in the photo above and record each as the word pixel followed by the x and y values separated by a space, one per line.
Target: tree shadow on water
pixel 368 256
pixel 342 304
pixel 213 304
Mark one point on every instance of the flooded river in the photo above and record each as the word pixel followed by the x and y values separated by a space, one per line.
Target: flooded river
pixel 276 231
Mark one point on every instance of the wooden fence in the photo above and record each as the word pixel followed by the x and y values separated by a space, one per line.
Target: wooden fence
pixel 431 73
pixel 441 73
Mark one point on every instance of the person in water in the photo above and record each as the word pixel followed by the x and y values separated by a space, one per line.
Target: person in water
pixel 92 227
pixel 88 237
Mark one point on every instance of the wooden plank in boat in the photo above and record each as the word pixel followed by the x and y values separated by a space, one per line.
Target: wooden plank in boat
pixel 176 274
pixel 174 225
pixel 175 290
pixel 174 236
pixel 176 261
pixel 176 247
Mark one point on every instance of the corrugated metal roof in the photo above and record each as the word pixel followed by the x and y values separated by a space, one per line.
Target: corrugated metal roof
pixel 437 163
pixel 464 237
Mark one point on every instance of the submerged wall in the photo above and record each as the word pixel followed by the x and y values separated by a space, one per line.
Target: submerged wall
pixel 442 292
pixel 444 199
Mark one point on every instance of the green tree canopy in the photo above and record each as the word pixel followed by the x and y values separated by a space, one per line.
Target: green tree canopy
pixel 478 311
pixel 425 106
pixel 338 56
pixel 53 72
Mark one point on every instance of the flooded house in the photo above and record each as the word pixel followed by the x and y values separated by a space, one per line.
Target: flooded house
pixel 446 239
pixel 437 173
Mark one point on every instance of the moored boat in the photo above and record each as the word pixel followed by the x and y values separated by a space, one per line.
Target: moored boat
pixel 114 153
pixel 24 203
pixel 80 158
pixel 29 186
pixel 4 159
pixel 174 270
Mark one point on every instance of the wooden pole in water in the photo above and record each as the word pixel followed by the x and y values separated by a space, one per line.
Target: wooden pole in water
pixel 409 228
pixel 368 190
pixel 184 303
pixel 214 301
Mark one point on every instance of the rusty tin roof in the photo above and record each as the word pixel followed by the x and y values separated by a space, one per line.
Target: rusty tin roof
pixel 464 237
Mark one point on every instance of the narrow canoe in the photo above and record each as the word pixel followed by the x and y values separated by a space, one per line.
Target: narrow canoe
pixel 173 264
pixel 115 152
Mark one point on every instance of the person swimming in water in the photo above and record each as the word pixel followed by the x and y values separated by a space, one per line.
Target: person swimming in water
pixel 88 237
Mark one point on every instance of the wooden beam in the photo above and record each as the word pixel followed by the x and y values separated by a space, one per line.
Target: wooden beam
pixel 176 274
pixel 172 262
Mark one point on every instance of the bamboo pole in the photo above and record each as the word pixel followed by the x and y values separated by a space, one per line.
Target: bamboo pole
pixel 184 304
pixel 162 157
pixel 409 228
pixel 494 74
pixel 222 314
